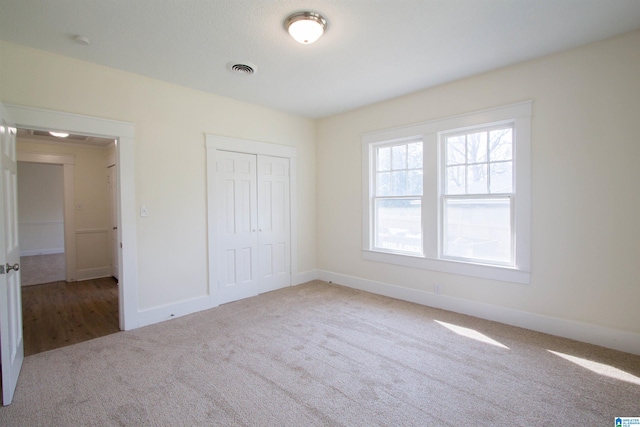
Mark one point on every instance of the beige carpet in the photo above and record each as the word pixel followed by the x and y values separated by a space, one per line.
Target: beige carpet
pixel 325 355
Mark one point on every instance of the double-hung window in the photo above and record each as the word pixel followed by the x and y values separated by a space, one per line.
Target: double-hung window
pixel 451 195
pixel 397 197
pixel 477 195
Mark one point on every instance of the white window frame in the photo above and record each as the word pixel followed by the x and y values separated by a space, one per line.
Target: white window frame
pixel 429 132
pixel 375 196
pixel 488 195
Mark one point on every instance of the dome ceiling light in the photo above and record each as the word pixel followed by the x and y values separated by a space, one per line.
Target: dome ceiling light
pixel 59 134
pixel 306 27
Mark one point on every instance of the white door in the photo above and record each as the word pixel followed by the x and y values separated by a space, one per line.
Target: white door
pixel 11 342
pixel 236 226
pixel 274 224
pixel 112 182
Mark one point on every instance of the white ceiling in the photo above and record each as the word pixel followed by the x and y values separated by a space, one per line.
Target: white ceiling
pixel 373 49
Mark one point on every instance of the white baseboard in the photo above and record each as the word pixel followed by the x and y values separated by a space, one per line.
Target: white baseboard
pixel 93 273
pixel 593 334
pixel 304 277
pixel 35 252
pixel 172 311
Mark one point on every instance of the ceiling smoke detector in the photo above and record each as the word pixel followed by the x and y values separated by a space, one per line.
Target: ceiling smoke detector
pixel 246 68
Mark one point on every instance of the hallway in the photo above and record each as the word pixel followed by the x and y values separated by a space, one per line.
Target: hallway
pixel 59 314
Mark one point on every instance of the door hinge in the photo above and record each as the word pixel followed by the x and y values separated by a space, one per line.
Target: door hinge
pixel 1 269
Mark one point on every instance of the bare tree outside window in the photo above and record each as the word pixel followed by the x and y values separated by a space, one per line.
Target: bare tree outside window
pixel 476 195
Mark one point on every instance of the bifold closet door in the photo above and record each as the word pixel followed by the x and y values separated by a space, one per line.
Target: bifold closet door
pixel 237 222
pixel 274 223
pixel 254 224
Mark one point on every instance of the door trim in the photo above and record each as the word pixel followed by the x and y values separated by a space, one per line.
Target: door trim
pixel 123 133
pixel 214 143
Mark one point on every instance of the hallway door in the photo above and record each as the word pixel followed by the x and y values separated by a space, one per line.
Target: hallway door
pixel 11 339
pixel 113 201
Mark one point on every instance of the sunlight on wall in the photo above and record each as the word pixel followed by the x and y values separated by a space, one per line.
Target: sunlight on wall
pixel 471 333
pixel 600 368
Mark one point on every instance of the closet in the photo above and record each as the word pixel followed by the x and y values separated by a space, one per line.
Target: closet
pixel 251 248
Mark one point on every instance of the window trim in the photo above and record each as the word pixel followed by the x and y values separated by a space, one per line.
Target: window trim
pixel 429 132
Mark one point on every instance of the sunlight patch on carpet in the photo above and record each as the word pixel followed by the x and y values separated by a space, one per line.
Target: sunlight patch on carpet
pixel 471 333
pixel 599 368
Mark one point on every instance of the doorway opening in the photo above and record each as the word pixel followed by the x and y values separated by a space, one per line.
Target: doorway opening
pixel 67 227
pixel 123 133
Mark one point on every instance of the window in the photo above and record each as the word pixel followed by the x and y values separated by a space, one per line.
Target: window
pixel 451 195
pixel 476 195
pixel 397 198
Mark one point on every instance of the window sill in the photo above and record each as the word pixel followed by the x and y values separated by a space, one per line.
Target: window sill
pixel 504 274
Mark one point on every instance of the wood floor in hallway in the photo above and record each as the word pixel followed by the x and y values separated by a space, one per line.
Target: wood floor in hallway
pixel 59 314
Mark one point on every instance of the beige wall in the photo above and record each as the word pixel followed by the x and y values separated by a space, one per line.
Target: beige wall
pixel 585 156
pixel 40 207
pixel 170 124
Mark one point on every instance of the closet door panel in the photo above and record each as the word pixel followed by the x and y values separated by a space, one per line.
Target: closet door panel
pixel 274 229
pixel 237 226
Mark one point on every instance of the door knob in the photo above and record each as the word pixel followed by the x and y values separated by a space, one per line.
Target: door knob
pixel 15 267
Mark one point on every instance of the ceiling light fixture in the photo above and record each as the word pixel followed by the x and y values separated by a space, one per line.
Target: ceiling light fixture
pixel 59 134
pixel 305 27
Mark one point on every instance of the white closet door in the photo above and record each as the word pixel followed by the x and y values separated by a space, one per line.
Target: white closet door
pixel 237 226
pixel 274 223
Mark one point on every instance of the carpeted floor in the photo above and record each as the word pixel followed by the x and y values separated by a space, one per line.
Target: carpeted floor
pixel 324 355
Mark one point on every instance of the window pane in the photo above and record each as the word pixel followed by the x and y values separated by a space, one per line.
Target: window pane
pixel 500 144
pixel 398 225
pixel 399 157
pixel 501 177
pixel 477 147
pixel 478 229
pixel 477 179
pixel 399 183
pixel 455 180
pixel 384 159
pixel 383 184
pixel 415 183
pixel 415 155
pixel 456 150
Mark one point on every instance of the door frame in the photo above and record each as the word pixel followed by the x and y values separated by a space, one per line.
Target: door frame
pixel 214 143
pixel 113 207
pixel 123 133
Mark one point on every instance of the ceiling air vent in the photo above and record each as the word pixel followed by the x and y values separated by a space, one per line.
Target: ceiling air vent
pixel 246 68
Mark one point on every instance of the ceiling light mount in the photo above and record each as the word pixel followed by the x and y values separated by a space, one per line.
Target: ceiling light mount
pixel 305 27
pixel 83 40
